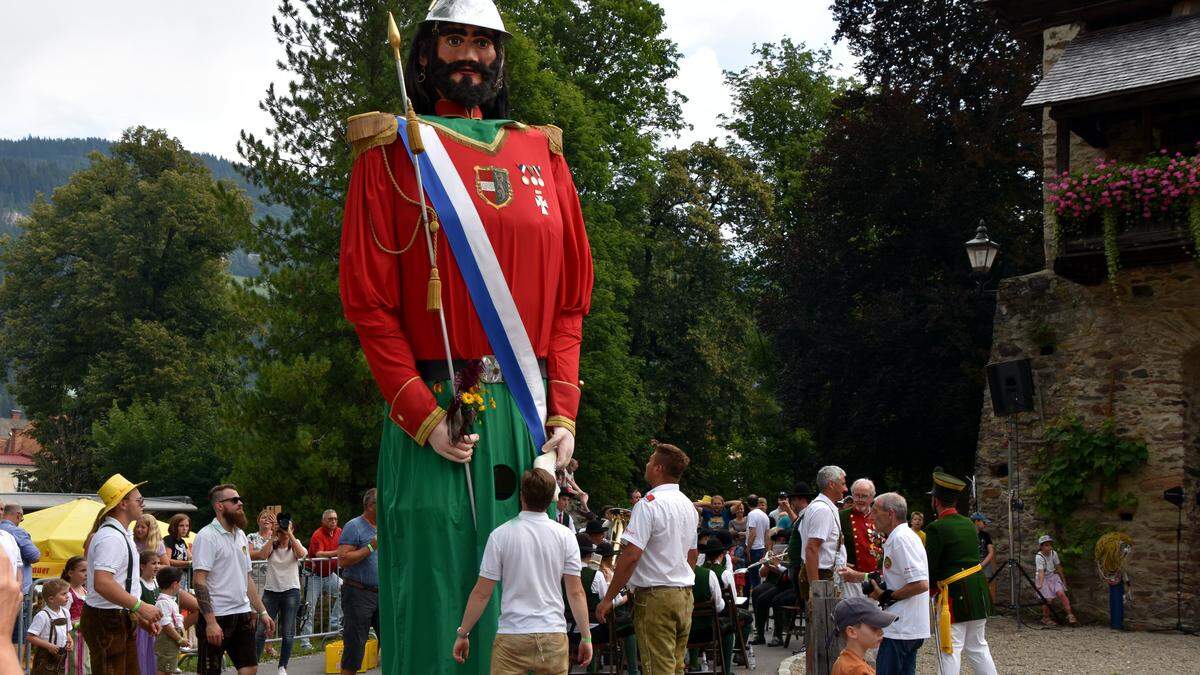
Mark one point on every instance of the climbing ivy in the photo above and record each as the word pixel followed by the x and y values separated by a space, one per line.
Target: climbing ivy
pixel 1076 459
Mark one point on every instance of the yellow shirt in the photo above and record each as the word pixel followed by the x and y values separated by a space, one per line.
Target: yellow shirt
pixel 921 534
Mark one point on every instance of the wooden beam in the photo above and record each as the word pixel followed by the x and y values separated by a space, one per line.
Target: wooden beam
pixel 1062 147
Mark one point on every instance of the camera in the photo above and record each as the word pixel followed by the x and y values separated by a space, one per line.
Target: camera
pixel 283 521
pixel 867 588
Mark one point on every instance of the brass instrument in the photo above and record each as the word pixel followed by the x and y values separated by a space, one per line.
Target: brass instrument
pixel 619 519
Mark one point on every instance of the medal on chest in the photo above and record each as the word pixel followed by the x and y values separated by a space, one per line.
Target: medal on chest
pixel 531 175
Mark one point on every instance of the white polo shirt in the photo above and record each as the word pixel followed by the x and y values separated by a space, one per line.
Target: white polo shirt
pixel 112 550
pixel 529 555
pixel 761 524
pixel 905 561
pixel 225 556
pixel 13 551
pixel 821 522
pixel 663 524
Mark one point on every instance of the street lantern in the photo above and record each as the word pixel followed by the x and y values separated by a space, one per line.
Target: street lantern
pixel 982 251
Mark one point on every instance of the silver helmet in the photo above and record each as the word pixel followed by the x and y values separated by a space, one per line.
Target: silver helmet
pixel 481 13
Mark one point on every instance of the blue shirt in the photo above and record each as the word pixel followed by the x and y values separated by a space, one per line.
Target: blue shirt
pixel 29 553
pixel 358 533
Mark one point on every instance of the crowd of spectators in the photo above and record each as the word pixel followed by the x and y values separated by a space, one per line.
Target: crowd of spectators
pixel 200 598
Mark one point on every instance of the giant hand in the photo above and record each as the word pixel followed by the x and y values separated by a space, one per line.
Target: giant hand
pixel 561 441
pixel 460 452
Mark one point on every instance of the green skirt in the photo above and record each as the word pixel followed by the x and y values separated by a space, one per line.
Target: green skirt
pixel 429 550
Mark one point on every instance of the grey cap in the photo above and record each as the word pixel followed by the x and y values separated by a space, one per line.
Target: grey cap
pixel 1044 538
pixel 853 611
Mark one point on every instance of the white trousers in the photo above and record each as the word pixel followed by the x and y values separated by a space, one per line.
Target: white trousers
pixel 971 646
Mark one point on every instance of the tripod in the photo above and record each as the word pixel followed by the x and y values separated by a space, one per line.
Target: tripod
pixel 1178 627
pixel 1015 570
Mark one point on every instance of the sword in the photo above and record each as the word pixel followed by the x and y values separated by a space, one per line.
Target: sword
pixel 435 284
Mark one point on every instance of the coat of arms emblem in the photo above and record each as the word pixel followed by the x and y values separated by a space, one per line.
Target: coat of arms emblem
pixel 493 186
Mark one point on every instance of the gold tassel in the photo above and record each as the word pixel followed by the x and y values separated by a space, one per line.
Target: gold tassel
pixel 414 133
pixel 433 301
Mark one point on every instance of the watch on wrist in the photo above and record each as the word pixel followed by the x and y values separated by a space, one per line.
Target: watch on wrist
pixel 462 633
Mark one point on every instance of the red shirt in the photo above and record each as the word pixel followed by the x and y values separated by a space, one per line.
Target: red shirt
pixel 536 228
pixel 323 541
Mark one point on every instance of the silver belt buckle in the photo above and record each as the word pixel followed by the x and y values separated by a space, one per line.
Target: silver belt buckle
pixel 491 370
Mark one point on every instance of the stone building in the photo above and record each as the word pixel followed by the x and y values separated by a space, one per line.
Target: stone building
pixel 1121 81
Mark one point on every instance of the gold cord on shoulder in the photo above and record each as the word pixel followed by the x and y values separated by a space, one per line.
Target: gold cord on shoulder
pixel 432 221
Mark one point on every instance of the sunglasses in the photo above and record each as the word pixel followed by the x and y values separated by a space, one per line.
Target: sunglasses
pixel 232 500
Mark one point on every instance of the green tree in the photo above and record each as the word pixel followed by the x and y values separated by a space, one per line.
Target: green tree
pixel 312 414
pixel 116 296
pixel 693 322
pixel 880 345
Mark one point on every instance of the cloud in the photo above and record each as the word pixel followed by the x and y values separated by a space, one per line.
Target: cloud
pixel 198 70
pixel 718 36
pixel 93 69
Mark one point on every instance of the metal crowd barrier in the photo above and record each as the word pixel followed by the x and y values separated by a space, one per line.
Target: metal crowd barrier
pixel 318 616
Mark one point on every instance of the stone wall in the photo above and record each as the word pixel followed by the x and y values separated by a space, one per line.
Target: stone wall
pixel 1132 354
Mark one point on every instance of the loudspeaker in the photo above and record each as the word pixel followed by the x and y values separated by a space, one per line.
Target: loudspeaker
pixel 1011 383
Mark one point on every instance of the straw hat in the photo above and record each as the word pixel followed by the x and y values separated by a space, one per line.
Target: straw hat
pixel 114 490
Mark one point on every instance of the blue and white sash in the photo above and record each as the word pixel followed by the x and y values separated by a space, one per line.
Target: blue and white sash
pixel 485 280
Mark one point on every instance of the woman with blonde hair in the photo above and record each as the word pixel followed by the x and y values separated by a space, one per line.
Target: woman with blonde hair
pixel 148 537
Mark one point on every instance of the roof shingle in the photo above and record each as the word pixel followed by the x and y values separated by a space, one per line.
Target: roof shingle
pixel 1124 59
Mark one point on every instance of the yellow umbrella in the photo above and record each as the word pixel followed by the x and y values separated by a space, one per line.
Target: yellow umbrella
pixel 59 533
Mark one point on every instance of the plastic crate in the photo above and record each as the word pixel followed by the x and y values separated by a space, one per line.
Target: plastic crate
pixel 333 657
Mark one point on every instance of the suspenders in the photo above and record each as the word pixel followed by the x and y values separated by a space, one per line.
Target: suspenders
pixel 129 577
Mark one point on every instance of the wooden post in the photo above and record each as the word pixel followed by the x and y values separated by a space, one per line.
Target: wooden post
pixel 824 643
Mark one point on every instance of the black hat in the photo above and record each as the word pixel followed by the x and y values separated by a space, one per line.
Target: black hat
pixel 801 489
pixel 725 537
pixel 586 547
pixel 853 611
pixel 595 526
pixel 604 548
pixel 712 548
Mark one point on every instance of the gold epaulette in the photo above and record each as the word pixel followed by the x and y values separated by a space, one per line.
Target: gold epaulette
pixel 368 130
pixel 554 135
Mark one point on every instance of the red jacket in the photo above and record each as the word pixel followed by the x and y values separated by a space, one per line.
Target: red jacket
pixel 537 230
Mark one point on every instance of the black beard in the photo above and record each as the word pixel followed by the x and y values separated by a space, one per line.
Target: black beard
pixel 462 91
pixel 235 518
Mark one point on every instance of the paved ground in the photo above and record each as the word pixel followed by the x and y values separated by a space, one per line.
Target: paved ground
pixel 768 663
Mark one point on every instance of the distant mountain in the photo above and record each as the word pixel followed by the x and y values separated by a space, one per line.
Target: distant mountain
pixel 32 165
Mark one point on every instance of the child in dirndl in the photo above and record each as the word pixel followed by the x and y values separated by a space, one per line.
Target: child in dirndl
pixel 1050 583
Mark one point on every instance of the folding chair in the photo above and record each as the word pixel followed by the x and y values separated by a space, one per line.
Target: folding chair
pixel 707 613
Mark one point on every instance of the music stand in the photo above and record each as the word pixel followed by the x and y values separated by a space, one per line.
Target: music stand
pixel 1175 496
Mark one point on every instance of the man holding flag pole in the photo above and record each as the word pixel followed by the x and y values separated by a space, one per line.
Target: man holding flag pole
pixel 471 326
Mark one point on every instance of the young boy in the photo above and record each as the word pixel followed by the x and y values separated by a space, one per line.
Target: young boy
pixel 861 622
pixel 171 637
pixel 49 630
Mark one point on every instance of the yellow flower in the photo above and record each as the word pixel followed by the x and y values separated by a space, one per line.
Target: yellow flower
pixel 482 408
pixel 493 404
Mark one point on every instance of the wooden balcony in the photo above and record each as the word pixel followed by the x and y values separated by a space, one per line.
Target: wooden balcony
pixel 1081 258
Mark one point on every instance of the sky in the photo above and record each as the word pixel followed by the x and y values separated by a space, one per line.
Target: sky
pixel 198 70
